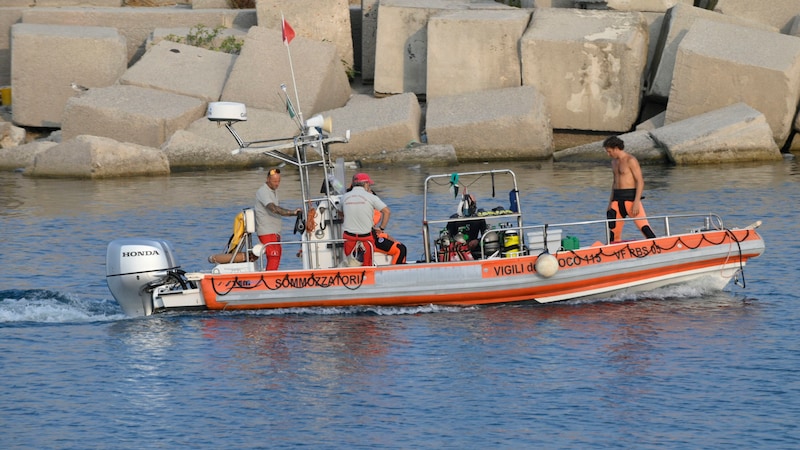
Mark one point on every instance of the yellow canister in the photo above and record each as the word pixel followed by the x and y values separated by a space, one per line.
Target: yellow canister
pixel 510 244
pixel 5 95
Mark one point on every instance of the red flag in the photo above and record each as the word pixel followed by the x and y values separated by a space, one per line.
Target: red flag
pixel 288 32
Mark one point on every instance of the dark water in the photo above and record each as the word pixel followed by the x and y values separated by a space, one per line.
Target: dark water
pixel 678 368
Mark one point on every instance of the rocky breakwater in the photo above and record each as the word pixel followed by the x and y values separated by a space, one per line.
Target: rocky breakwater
pixel 446 81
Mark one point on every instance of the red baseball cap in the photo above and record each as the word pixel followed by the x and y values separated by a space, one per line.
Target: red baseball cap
pixel 361 178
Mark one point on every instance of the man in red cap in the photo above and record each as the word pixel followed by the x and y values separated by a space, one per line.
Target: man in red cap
pixel 359 205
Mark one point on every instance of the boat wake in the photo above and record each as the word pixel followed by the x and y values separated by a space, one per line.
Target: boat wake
pixel 45 306
pixel 677 292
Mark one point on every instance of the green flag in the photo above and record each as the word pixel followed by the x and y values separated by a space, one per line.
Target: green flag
pixel 290 108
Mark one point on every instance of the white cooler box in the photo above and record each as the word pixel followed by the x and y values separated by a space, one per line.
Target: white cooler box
pixel 535 241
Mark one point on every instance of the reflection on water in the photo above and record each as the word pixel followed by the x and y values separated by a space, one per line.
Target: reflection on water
pixel 628 336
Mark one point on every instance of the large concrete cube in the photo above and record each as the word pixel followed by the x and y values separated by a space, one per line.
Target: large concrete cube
pixel 136 24
pixel 84 3
pixel 677 23
pixel 401 44
pixel 638 143
pixel 645 5
pixel 720 64
pixel 588 64
pixel 89 56
pixel 205 144
pixel 182 34
pixel 318 20
pixel 369 33
pixel 130 114
pixel 500 124
pixel 22 156
pixel 473 50
pixel 376 125
pixel 264 65
pixel 776 13
pixel 8 17
pixel 181 69
pixel 210 4
pixel 98 157
pixel 735 133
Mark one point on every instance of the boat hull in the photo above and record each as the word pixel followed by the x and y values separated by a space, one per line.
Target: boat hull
pixel 710 258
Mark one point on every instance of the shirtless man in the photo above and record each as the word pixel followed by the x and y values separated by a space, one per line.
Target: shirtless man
pixel 626 192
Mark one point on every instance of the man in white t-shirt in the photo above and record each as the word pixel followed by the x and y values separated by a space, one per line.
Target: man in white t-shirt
pixel 268 218
pixel 360 225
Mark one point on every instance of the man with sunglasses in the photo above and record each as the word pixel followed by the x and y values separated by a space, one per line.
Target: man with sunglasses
pixel 268 218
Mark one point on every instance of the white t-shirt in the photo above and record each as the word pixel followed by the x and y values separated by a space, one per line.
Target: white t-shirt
pixel 266 221
pixel 358 210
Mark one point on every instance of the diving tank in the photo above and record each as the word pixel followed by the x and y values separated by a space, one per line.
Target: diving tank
pixel 134 267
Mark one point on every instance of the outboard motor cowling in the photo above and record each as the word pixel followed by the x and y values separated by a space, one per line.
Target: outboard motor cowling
pixel 134 267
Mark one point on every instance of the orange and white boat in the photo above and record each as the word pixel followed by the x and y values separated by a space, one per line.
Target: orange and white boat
pixel 509 261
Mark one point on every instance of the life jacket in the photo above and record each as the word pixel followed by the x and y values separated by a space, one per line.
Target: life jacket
pixel 238 232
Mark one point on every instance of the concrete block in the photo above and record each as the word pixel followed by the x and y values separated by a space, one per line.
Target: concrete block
pixel 638 143
pixel 85 3
pixel 735 133
pixel 500 124
pixel 588 64
pixel 720 64
pixel 676 24
pixel 401 44
pixel 179 34
pixel 206 144
pixel 8 17
pixel 549 3
pixel 473 50
pixel 89 56
pixel 369 35
pixel 655 23
pixel 355 31
pixel 263 66
pixel 130 114
pixel 137 24
pixel 210 4
pixel 98 157
pixel 645 5
pixel 181 69
pixel 428 154
pixel 188 151
pixel 775 13
pixel 20 157
pixel 318 20
pixel 794 27
pixel 11 136
pixel 376 125
pixel 654 122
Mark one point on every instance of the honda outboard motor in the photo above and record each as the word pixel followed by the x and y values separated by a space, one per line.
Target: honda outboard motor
pixel 134 267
